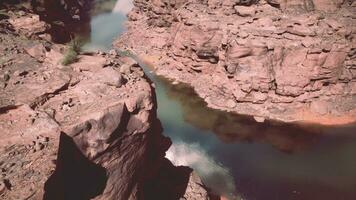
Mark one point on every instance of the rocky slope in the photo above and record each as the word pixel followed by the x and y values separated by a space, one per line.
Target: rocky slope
pixel 286 60
pixel 84 131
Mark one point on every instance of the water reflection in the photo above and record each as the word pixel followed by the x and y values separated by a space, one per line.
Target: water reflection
pixel 269 160
pixel 272 161
pixel 107 27
pixel 212 172
pixel 232 128
pixel 107 23
pixel 234 154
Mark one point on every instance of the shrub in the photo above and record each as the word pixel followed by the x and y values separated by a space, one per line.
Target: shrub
pixel 72 53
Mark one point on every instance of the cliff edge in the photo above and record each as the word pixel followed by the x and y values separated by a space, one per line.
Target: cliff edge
pixel 283 60
pixel 87 130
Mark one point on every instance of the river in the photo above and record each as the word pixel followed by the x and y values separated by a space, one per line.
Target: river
pixel 234 155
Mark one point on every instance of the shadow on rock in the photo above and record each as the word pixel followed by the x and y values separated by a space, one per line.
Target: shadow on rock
pixel 170 182
pixel 65 18
pixel 75 177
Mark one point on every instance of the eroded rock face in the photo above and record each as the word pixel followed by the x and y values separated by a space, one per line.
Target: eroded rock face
pixel 286 60
pixel 57 21
pixel 84 131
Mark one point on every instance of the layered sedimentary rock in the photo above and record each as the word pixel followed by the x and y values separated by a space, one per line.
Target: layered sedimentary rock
pixel 285 60
pixel 232 128
pixel 84 131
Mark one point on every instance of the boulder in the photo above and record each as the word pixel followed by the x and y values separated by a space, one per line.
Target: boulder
pixel 245 11
pixel 110 76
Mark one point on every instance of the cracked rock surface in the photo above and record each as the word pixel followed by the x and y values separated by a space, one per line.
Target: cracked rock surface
pixel 84 131
pixel 284 60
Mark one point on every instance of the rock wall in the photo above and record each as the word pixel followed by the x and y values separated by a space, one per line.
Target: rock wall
pixel 285 60
pixel 84 131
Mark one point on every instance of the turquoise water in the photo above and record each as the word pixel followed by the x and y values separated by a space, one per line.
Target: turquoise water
pixel 235 155
pixel 105 28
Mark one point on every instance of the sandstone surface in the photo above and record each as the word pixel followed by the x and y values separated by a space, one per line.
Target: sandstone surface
pixel 283 60
pixel 88 130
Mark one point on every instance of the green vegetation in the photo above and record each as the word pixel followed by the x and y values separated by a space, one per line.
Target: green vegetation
pixel 73 51
pixel 2 61
pixel 3 14
pixel 127 53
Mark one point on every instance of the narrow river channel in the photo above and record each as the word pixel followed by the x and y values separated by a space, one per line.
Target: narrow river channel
pixel 234 155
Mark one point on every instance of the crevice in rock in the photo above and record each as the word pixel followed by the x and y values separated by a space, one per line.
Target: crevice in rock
pixel 44 98
pixel 5 109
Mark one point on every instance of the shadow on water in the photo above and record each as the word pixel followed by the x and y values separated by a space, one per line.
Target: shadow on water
pixel 233 154
pixel 75 177
pixel 232 128
pixel 269 160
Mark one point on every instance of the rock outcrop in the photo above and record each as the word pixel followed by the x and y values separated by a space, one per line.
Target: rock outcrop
pixel 284 60
pixel 84 131
pixel 56 21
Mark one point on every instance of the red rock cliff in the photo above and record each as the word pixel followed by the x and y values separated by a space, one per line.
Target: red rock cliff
pixel 286 60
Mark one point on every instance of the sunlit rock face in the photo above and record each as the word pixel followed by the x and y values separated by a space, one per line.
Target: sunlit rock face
pixel 102 121
pixel 285 60
pixel 84 131
pixel 321 5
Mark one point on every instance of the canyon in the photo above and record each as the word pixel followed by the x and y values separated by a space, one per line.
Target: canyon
pixel 86 130
pixel 291 61
pixel 177 99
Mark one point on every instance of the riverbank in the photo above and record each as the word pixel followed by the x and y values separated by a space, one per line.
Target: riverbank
pixel 306 117
pixel 237 157
pixel 80 130
pixel 233 154
pixel 250 60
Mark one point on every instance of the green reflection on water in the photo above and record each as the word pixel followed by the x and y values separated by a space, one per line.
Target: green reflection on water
pixel 232 152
